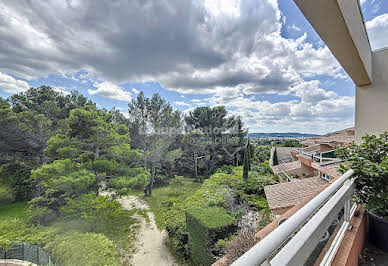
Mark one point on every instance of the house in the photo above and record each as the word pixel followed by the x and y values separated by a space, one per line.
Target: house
pixel 311 168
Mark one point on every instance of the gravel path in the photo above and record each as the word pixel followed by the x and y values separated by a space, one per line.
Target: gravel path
pixel 150 249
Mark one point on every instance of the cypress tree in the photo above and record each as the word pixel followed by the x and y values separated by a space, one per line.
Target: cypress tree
pixel 246 162
pixel 275 158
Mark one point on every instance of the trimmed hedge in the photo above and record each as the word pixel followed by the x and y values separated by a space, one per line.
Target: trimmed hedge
pixel 221 191
pixel 205 227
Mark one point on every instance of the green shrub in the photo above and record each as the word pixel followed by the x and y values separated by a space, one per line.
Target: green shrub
pixel 369 161
pixel 6 195
pixel 221 190
pixel 226 169
pixel 41 215
pixel 75 248
pixel 175 220
pixel 205 227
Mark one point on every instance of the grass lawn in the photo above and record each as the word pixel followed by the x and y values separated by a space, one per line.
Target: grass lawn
pixel 14 210
pixel 161 196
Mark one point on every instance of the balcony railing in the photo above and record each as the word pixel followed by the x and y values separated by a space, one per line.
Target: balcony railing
pixel 306 228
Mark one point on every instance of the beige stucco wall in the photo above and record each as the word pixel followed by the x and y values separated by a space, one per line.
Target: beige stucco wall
pixel 372 100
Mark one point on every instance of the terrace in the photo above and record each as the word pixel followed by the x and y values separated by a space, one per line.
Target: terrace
pixel 326 227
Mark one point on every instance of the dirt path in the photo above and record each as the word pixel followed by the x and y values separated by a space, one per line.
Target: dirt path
pixel 150 249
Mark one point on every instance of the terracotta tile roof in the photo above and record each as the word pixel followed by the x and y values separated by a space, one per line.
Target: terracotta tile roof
pixel 342 137
pixel 286 167
pixel 330 169
pixel 289 194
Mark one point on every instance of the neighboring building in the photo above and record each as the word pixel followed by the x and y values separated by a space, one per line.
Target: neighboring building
pixel 312 167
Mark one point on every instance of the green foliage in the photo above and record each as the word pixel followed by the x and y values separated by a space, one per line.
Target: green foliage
pixel 218 191
pixel 95 210
pixel 135 178
pixel 290 143
pixel 275 157
pixel 17 176
pixel 261 153
pixel 226 169
pixel 369 161
pixel 105 165
pixel 246 162
pixel 14 210
pixel 75 248
pixel 177 183
pixel 42 215
pixel 205 226
pixel 6 195
pixel 58 181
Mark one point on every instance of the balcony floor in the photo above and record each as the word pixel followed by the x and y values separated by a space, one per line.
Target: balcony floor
pixel 373 256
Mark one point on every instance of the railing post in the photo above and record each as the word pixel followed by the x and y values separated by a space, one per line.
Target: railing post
pixel 37 255
pixel 22 251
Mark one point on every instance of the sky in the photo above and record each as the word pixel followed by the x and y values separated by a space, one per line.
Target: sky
pixel 259 58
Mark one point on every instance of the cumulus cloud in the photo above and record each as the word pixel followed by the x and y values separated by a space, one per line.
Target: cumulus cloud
pixel 317 112
pixel 189 46
pixel 11 85
pixel 110 90
pixel 231 50
pixel 377 31
pixel 310 92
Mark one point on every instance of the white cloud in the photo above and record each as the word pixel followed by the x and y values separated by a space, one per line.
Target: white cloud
pixel 61 90
pixel 317 112
pixel 180 103
pixel 135 90
pixel 189 46
pixel 11 85
pixel 378 31
pixel 295 28
pixel 109 90
pixel 310 92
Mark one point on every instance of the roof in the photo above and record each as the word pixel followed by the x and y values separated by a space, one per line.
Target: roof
pixel 331 170
pixel 285 195
pixel 341 137
pixel 286 167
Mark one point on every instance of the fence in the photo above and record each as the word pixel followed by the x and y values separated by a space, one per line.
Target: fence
pixel 309 224
pixel 26 252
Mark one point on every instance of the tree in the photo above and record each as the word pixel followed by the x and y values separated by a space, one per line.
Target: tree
pixel 37 131
pixel 213 121
pixel 247 158
pixel 155 126
pixel 44 100
pixel 57 182
pixel 194 144
pixel 275 157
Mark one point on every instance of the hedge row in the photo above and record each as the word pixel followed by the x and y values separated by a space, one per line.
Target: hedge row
pixel 216 194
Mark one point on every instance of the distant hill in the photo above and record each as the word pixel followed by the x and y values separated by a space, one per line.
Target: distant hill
pixel 281 135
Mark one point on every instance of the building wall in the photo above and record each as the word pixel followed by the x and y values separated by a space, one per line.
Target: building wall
pixel 372 100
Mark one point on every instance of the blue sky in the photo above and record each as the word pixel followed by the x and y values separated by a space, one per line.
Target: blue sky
pixel 261 59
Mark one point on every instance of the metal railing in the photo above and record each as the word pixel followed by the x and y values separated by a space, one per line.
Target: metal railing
pixel 26 252
pixel 310 222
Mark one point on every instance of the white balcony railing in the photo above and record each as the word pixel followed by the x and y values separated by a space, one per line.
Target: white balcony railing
pixel 308 225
